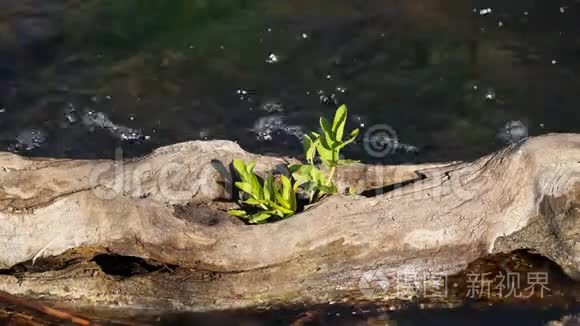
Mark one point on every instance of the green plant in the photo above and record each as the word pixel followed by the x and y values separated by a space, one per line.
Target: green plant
pixel 312 180
pixel 328 145
pixel 275 197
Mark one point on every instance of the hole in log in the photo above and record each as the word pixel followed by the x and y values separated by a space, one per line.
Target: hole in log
pixel 110 264
pixel 53 263
pixel 126 266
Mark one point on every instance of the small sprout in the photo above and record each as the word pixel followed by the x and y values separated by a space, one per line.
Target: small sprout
pixel 270 199
pixel 328 146
pixel 276 197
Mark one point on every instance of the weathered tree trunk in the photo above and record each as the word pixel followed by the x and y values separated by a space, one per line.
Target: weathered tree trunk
pixel 165 208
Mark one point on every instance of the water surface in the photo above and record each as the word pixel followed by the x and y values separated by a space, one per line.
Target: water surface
pixel 79 79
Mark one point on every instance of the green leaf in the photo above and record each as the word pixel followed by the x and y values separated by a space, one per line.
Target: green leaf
pixel 316 175
pixel 310 144
pixel 295 167
pixel 311 152
pixel 327 131
pixel 253 180
pixel 288 194
pixel 247 188
pixel 281 202
pixel 260 217
pixel 301 173
pixel 339 122
pixel 353 135
pixel 246 173
pixel 240 167
pixel 328 189
pixel 327 155
pixel 269 188
pixel 250 168
pixel 254 202
pixel 286 188
pixel 282 207
pixel 238 213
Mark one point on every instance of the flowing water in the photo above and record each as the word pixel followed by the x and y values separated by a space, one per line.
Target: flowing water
pixel 425 80
pixel 446 79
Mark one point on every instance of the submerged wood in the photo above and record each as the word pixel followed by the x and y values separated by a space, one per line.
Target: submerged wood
pixel 165 208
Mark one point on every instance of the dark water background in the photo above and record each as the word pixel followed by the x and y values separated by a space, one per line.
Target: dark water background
pixel 81 78
pixel 450 79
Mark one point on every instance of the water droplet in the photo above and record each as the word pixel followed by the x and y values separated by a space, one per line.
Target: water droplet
pixel 554 62
pixel 485 11
pixel 108 97
pixel 304 36
pixel 490 94
pixel 563 9
pixel 360 120
pixel 328 76
pixel 131 117
pixel 2 110
pixel 272 58
pixel 269 29
pixel 526 13
pixel 500 24
pixel 341 89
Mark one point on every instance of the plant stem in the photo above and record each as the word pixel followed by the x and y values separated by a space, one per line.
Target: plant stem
pixel 330 176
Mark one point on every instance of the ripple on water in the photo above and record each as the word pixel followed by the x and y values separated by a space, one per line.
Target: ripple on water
pixel 27 140
pixel 94 119
pixel 512 132
pixel 267 127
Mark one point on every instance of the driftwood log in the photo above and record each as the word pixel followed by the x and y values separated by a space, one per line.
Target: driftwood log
pixel 167 208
